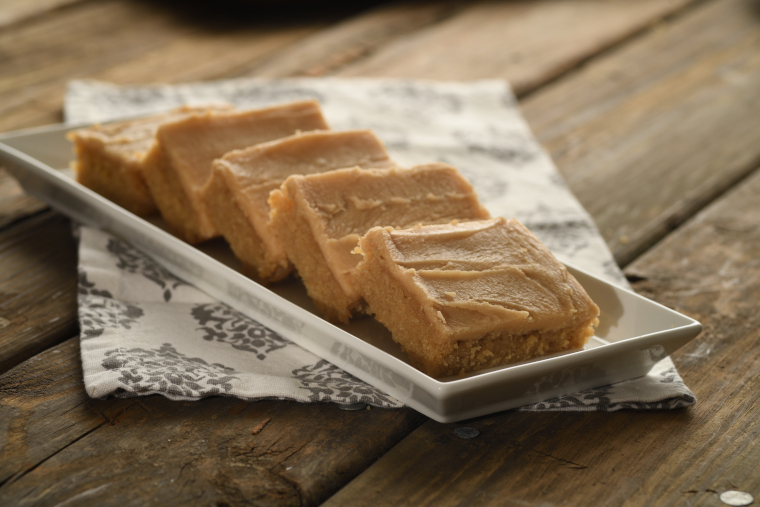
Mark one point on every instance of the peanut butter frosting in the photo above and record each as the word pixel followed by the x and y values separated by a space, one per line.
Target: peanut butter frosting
pixel 193 143
pixel 252 173
pixel 111 158
pixel 131 139
pixel 481 277
pixel 343 205
pixel 179 162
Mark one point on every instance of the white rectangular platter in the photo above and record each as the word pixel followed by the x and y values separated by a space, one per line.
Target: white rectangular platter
pixel 634 333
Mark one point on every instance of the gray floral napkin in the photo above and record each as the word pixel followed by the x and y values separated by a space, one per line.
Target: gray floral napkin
pixel 144 331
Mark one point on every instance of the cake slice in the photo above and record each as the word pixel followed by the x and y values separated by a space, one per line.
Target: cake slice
pixel 319 219
pixel 462 297
pixel 179 162
pixel 237 192
pixel 110 158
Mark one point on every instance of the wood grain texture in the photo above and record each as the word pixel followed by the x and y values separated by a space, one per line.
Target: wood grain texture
pixel 43 411
pixel 527 42
pixel 347 42
pixel 15 11
pixel 126 42
pixel 62 447
pixel 15 204
pixel 651 132
pixel 37 287
pixel 709 269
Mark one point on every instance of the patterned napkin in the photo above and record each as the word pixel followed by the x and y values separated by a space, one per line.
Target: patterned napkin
pixel 144 331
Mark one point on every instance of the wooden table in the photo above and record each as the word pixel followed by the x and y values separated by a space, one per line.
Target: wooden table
pixel 651 110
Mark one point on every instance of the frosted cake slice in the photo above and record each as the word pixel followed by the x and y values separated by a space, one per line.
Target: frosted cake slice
pixel 179 162
pixel 319 219
pixel 110 158
pixel 237 192
pixel 463 297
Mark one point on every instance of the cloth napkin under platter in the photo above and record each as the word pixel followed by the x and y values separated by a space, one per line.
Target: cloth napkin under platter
pixel 144 331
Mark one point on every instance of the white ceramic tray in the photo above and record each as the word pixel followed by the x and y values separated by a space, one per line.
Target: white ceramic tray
pixel 634 332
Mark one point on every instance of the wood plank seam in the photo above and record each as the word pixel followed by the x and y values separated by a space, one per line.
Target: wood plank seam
pixel 213 449
pixel 33 327
pixel 351 48
pixel 19 220
pixel 623 142
pixel 670 223
pixel 638 34
pixel 31 469
pixel 365 50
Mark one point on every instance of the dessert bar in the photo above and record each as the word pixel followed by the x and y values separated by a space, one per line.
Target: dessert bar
pixel 178 164
pixel 319 219
pixel 467 296
pixel 237 192
pixel 109 158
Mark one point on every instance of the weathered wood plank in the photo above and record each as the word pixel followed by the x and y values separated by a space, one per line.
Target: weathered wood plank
pixel 37 287
pixel 650 133
pixel 347 42
pixel 14 11
pixel 44 411
pixel 125 42
pixel 61 446
pixel 146 45
pixel 138 43
pixel 527 42
pixel 708 269
pixel 14 203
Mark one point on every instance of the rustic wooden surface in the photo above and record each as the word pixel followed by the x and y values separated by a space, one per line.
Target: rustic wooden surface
pixel 33 320
pixel 650 110
pixel 710 270
pixel 15 11
pixel 526 42
pixel 658 128
pixel 154 451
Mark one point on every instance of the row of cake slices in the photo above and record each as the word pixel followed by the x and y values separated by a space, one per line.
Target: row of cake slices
pixel 286 191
